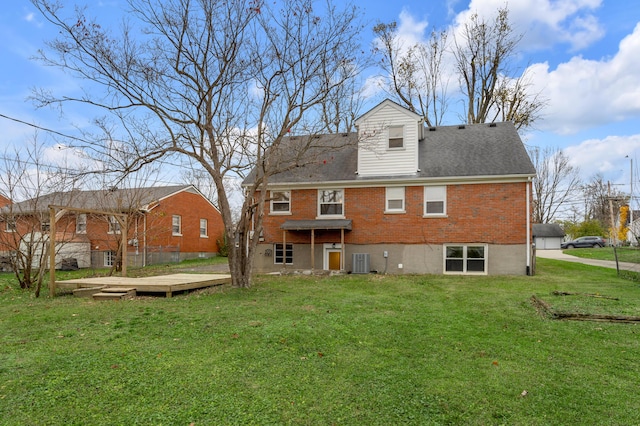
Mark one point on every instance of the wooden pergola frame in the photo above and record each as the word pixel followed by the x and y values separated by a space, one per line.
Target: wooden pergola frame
pixel 56 212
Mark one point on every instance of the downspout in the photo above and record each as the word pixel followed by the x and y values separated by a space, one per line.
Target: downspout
pixel 529 226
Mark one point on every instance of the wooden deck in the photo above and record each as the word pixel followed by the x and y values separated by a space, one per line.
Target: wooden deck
pixel 167 284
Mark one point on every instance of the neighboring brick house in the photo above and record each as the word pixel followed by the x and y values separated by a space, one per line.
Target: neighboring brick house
pixel 4 201
pixel 398 197
pixel 165 223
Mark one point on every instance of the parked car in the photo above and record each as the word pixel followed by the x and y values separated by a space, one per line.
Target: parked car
pixel 595 242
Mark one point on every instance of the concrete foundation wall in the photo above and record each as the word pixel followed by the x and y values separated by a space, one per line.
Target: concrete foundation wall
pixel 401 258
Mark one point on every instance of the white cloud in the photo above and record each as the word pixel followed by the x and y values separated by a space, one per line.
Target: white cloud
pixel 410 29
pixel 606 156
pixel 585 93
pixel 545 23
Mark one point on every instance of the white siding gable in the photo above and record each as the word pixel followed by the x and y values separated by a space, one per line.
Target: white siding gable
pixel 375 158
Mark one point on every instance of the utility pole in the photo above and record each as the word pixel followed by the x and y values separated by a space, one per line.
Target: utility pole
pixel 631 237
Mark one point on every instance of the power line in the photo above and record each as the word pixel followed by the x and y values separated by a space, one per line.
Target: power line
pixel 45 129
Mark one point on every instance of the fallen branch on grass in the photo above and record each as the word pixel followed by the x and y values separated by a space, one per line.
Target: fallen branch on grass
pixel 547 310
pixel 568 293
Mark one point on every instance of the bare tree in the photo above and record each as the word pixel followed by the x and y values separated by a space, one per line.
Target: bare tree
pixel 25 179
pixel 343 106
pixel 481 54
pixel 557 182
pixel 220 83
pixel 483 51
pixel 416 76
pixel 597 194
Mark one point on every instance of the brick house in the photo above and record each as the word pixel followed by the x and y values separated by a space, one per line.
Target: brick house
pixel 165 223
pixel 397 197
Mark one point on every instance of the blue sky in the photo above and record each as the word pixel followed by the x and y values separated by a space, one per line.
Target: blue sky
pixel 583 55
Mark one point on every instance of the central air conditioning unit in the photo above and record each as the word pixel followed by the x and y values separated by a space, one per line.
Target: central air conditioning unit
pixel 360 263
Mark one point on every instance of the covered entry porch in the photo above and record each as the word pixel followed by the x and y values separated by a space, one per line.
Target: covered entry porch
pixel 333 252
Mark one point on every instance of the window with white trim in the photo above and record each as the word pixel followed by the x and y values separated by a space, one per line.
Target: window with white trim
pixel 81 223
pixel 176 225
pixel 465 259
pixel 282 254
pixel 396 137
pixel 394 200
pixel 280 202
pixel 10 224
pixel 114 225
pixel 331 202
pixel 109 258
pixel 203 228
pixel 435 200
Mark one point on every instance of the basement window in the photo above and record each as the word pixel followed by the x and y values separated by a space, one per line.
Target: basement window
pixel 109 258
pixel 463 259
pixel 282 254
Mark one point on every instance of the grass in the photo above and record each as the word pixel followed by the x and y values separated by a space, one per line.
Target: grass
pixel 625 254
pixel 356 349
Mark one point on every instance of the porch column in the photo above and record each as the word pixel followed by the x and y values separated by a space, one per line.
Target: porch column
pixel 342 249
pixel 313 257
pixel 284 249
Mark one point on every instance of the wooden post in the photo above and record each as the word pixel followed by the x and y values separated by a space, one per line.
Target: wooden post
pixel 52 251
pixel 284 249
pixel 123 249
pixel 342 249
pixel 313 257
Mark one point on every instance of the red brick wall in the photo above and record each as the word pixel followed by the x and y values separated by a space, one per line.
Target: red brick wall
pixel 493 213
pixel 191 207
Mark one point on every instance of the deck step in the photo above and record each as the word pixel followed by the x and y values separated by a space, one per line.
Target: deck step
pixel 114 293
pixel 87 291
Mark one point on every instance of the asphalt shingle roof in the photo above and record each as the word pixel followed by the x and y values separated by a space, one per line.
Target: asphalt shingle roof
pixel 475 150
pixel 107 200
pixel 547 230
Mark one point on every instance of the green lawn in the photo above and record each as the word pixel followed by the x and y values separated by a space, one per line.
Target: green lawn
pixel 348 350
pixel 625 254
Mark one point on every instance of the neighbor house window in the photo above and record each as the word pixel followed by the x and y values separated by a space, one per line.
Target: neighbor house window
pixel 282 254
pixel 394 200
pixel 109 258
pixel 176 224
pixel 396 136
pixel 465 259
pixel 331 202
pixel 114 225
pixel 435 200
pixel 280 202
pixel 10 225
pixel 45 227
pixel 81 223
pixel 203 227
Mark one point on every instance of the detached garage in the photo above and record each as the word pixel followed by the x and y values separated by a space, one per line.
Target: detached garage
pixel 547 236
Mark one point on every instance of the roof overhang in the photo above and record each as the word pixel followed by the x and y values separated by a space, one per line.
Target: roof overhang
pixel 321 224
pixel 402 181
